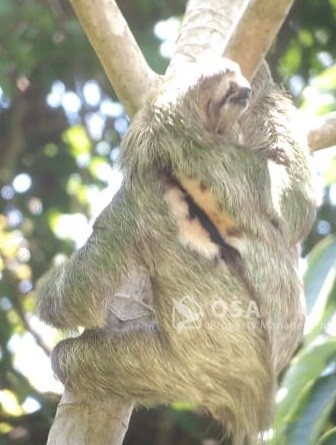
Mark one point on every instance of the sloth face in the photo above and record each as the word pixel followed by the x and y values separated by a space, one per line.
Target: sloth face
pixel 206 99
pixel 203 101
pixel 223 98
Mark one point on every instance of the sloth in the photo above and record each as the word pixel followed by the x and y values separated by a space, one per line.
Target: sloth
pixel 215 200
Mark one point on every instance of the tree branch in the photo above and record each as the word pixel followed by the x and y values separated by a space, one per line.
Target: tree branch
pixel 117 50
pixel 207 27
pixel 104 422
pixel 322 131
pixel 255 33
pixel 211 25
pixel 92 422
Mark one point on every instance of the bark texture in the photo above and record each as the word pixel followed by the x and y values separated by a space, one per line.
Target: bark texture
pixel 322 131
pixel 83 422
pixel 255 33
pixel 117 50
pixel 207 26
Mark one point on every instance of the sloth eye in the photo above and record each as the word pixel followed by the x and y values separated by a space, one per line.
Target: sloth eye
pixel 230 91
pixel 236 94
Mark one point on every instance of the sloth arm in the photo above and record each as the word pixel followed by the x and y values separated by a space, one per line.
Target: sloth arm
pixel 77 292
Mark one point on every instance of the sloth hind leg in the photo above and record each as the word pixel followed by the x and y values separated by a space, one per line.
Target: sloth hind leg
pixel 127 364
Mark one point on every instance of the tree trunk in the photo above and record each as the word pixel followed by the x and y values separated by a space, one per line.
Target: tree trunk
pixel 83 422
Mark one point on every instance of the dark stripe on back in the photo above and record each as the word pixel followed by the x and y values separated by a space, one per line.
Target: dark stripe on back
pixel 229 254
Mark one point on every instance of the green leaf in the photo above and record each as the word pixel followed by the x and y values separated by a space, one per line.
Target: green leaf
pixel 312 416
pixel 183 406
pixel 326 81
pixel 323 311
pixel 321 261
pixel 329 438
pixel 306 367
pixel 306 38
pixel 78 140
pixel 291 60
pixel 330 173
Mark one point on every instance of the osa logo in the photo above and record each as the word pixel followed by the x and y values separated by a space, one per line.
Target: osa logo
pixel 187 314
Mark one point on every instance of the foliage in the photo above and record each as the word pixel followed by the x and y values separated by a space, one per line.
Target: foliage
pixel 308 390
pixel 60 128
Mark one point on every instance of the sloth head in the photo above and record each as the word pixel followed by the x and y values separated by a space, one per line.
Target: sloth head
pixel 205 98
pixel 199 106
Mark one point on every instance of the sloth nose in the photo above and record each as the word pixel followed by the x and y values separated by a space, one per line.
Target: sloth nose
pixel 240 94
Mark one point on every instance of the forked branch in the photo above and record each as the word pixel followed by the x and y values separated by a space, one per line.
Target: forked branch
pixel 246 28
pixel 117 50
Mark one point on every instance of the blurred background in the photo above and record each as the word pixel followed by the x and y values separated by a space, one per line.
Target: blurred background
pixel 60 129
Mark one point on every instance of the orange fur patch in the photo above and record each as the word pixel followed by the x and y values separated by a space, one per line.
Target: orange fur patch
pixel 191 232
pixel 203 197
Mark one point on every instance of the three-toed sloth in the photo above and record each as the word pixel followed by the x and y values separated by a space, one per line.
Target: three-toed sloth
pixel 215 200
